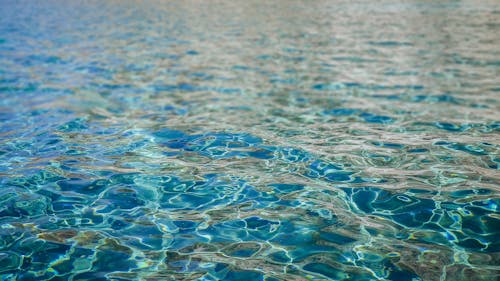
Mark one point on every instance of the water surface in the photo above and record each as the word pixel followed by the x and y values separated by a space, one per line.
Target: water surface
pixel 249 140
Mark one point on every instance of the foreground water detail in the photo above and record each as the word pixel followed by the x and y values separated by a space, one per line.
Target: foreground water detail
pixel 249 141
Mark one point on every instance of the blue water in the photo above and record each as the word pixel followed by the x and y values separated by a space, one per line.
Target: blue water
pixel 249 140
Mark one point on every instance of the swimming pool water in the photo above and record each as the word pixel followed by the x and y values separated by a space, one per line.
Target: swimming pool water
pixel 249 140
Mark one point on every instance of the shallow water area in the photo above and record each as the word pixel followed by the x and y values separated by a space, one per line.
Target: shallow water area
pixel 249 140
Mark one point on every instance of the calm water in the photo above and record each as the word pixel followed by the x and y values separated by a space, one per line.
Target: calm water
pixel 249 140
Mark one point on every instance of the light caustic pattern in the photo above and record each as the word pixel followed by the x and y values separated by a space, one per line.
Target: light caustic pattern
pixel 249 140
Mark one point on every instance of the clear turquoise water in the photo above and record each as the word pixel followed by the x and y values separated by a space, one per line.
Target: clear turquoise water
pixel 249 140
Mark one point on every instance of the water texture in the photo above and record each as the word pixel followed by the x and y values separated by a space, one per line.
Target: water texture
pixel 249 140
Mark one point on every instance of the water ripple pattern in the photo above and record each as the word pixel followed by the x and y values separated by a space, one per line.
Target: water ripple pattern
pixel 249 140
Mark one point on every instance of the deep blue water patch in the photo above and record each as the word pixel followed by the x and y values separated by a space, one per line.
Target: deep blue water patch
pixel 468 225
pixel 360 115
